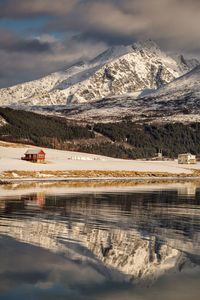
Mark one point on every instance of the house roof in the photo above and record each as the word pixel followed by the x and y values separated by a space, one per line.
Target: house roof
pixel 33 151
pixel 186 154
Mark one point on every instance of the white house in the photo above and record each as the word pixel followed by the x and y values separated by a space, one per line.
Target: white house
pixel 187 158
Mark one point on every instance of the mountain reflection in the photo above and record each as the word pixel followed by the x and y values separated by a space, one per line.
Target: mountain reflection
pixel 121 237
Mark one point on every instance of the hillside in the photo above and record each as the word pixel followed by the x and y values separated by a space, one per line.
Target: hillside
pixel 120 140
pixel 38 129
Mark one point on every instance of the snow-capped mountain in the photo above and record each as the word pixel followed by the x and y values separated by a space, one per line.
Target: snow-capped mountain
pixel 117 71
pixel 186 86
pixel 177 101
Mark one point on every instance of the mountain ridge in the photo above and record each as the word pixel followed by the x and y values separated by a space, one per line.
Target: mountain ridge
pixel 118 70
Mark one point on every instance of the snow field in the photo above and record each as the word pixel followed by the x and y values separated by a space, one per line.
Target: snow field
pixel 57 160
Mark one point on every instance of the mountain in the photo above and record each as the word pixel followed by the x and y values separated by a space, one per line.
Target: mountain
pixel 177 101
pixel 118 70
pixel 184 87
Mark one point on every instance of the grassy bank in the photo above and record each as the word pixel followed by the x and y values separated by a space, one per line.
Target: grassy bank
pixel 16 174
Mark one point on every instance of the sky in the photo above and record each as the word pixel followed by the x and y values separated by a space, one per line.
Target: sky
pixel 38 37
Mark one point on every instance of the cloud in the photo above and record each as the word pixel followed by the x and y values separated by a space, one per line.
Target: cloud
pixel 174 23
pixel 32 8
pixel 13 43
pixel 99 18
pixel 27 59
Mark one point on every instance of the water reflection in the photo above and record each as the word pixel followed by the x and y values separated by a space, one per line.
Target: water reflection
pixel 187 190
pixel 88 242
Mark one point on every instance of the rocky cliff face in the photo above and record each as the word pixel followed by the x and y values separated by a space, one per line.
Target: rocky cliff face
pixel 119 70
pixel 186 87
pixel 132 72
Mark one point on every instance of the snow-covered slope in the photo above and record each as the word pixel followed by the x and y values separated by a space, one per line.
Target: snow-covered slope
pixel 180 98
pixel 177 101
pixel 184 86
pixel 2 121
pixel 118 70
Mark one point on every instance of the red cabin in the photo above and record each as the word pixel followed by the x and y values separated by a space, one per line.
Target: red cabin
pixel 34 155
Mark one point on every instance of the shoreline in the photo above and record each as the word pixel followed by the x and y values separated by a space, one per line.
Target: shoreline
pixel 93 179
pixel 46 186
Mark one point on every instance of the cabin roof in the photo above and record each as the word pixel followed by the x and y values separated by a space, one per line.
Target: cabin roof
pixel 34 151
pixel 186 154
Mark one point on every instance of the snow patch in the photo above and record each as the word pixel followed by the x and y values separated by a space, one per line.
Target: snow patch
pixel 3 122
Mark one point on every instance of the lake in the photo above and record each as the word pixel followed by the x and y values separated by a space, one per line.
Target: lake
pixel 118 243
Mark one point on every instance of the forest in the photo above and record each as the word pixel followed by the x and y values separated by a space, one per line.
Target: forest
pixel 146 140
pixel 121 140
pixel 39 129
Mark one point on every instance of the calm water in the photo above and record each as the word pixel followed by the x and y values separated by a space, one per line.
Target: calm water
pixel 130 245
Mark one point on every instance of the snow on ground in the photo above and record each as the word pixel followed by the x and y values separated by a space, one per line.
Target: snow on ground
pixel 2 121
pixel 57 160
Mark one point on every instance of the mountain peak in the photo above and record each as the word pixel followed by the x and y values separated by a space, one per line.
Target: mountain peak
pixel 111 53
pixel 184 62
pixel 148 45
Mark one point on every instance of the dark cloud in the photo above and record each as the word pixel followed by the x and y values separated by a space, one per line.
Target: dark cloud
pixel 31 46
pixel 32 8
pixel 174 22
pixel 23 60
pixel 13 43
